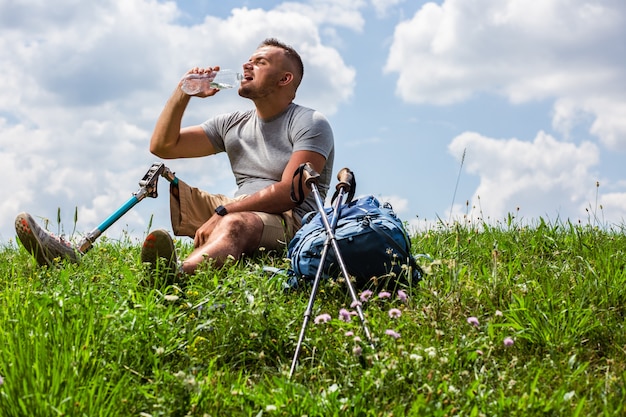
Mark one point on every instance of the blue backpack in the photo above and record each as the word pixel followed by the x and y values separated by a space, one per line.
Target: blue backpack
pixel 372 240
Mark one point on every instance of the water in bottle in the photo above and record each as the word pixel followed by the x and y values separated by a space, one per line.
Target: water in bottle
pixel 223 79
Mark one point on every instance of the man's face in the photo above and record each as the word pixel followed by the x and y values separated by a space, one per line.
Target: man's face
pixel 262 72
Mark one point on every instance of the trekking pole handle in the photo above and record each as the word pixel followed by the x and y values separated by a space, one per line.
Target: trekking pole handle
pixel 309 175
pixel 345 178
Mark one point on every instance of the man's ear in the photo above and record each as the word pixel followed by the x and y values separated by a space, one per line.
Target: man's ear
pixel 287 78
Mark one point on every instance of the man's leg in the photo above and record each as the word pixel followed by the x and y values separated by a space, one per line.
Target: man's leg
pixel 235 234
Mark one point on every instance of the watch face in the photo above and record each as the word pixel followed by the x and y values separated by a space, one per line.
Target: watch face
pixel 221 210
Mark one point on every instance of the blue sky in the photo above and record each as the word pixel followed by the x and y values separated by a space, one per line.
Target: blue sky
pixel 532 92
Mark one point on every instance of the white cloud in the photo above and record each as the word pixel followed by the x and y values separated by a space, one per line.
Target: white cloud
pixel 82 84
pixel 544 177
pixel 611 207
pixel 341 13
pixel 571 51
pixel 383 6
pixel 398 203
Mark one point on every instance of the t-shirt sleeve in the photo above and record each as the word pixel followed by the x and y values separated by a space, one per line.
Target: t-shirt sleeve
pixel 313 133
pixel 215 128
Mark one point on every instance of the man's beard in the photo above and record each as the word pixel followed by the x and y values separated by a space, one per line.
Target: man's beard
pixel 254 93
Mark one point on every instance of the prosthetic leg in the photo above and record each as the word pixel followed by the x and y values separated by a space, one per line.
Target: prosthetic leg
pixel 46 247
pixel 148 188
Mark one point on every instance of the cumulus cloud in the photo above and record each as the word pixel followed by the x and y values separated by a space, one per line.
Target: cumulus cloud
pixel 82 84
pixel 343 13
pixel 543 177
pixel 400 204
pixel 570 51
pixel 382 6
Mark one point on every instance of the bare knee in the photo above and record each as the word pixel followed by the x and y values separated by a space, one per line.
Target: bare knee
pixel 243 230
pixel 234 235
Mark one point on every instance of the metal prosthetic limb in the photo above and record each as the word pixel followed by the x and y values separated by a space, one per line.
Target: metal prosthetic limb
pixel 148 188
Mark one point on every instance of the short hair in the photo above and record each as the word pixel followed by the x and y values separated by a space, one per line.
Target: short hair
pixel 292 55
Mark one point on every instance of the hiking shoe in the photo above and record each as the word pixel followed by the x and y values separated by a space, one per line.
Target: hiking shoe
pixel 43 245
pixel 158 249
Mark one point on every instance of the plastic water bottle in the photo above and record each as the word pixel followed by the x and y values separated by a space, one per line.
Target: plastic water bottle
pixel 222 79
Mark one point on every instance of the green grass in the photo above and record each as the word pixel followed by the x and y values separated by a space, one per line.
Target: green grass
pixel 90 340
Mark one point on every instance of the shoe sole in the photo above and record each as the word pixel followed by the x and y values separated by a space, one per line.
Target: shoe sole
pixel 159 245
pixel 30 234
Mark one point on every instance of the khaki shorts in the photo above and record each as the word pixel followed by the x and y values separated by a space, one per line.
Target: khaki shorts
pixel 193 208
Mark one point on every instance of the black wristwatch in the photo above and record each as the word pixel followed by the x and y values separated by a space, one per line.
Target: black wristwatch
pixel 221 211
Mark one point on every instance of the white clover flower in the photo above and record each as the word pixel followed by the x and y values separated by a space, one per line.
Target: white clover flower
pixel 431 351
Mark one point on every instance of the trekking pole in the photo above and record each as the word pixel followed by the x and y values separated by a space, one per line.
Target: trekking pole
pixel 148 188
pixel 310 178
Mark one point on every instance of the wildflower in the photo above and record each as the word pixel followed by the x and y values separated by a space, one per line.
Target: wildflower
pixel 322 318
pixel 479 352
pixel 270 407
pixel 355 304
pixel 365 296
pixel 392 333
pixel 394 313
pixel 416 357
pixel 357 350
pixel 498 313
pixel 569 395
pixel 384 294
pixel 333 388
pixel 431 351
pixel 346 315
pixel 349 333
pixel 508 341
pixel 402 296
pixel 473 321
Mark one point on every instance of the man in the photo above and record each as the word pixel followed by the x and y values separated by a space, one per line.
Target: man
pixel 265 146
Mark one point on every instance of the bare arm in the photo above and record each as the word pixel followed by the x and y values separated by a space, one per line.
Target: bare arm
pixel 169 140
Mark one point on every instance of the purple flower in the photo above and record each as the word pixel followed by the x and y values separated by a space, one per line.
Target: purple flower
pixel 402 296
pixel 355 304
pixel 365 296
pixel 384 294
pixel 508 341
pixel 345 315
pixel 322 318
pixel 392 333
pixel 394 313
pixel 357 350
pixel 349 333
pixel 473 321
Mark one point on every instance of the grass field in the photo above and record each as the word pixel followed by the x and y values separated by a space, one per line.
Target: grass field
pixel 510 320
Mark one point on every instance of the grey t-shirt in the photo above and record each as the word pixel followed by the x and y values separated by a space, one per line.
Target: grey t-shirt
pixel 259 149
